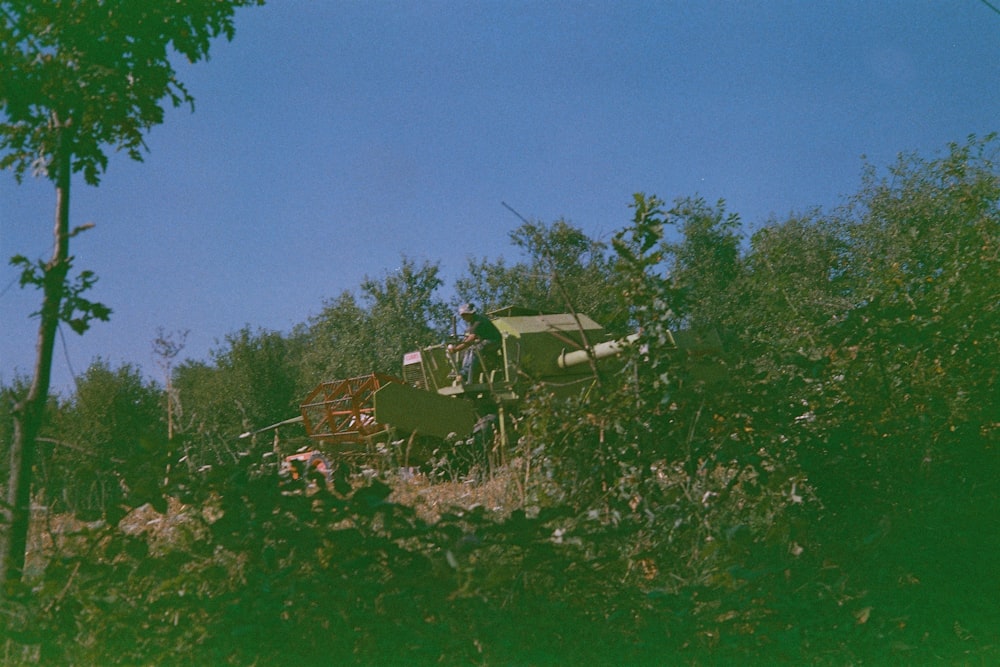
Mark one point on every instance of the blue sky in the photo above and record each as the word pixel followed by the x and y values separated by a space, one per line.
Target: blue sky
pixel 331 138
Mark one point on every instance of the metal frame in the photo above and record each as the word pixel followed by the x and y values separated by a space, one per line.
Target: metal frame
pixel 343 411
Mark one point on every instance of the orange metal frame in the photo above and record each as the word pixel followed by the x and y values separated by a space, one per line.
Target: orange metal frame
pixel 343 411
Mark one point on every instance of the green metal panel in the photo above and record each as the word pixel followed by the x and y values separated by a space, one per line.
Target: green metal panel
pixel 539 341
pixel 562 322
pixel 409 409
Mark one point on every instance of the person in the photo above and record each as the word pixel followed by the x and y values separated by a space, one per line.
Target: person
pixel 481 338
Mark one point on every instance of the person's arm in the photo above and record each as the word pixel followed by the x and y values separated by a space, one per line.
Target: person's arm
pixel 469 339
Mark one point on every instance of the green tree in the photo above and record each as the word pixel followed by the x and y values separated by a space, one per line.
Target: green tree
pixel 332 343
pixel 251 382
pixel 672 476
pixel 403 313
pixel 777 314
pixel 108 452
pixel 80 78
pixel 562 270
pixel 395 314
pixel 793 284
pixel 706 262
pixel 918 350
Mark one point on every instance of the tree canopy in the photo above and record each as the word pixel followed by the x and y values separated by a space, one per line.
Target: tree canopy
pixel 83 77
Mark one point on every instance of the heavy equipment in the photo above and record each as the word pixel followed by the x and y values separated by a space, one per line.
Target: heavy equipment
pixel 560 352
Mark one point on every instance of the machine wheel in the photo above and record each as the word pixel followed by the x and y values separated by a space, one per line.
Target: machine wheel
pixel 319 463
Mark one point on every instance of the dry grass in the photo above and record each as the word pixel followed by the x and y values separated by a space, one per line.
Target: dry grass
pixel 499 494
pixel 55 534
pixel 52 535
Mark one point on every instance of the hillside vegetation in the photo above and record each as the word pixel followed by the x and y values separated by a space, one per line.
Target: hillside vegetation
pixel 830 499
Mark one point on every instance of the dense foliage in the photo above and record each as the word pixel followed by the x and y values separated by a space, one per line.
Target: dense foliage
pixel 821 492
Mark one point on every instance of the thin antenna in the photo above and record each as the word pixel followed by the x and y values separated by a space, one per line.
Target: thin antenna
pixel 510 208
pixel 16 278
pixel 988 4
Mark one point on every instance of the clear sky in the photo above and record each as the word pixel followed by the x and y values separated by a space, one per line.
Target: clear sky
pixel 331 138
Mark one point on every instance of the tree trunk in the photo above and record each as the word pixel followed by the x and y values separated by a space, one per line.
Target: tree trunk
pixel 30 412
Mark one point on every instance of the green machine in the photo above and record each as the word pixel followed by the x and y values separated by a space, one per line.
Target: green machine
pixel 558 351
pixel 550 349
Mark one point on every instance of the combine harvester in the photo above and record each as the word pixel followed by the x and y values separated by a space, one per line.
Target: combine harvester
pixel 560 352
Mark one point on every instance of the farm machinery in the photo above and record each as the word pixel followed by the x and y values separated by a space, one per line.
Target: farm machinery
pixel 560 352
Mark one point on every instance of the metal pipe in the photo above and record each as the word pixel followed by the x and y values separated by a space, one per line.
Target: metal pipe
pixel 600 351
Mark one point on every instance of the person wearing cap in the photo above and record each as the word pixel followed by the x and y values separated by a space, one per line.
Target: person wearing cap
pixel 481 337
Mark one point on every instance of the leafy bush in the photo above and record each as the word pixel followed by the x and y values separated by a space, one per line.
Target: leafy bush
pixel 824 500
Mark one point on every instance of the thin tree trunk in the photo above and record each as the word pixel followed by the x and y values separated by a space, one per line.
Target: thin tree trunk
pixel 30 412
